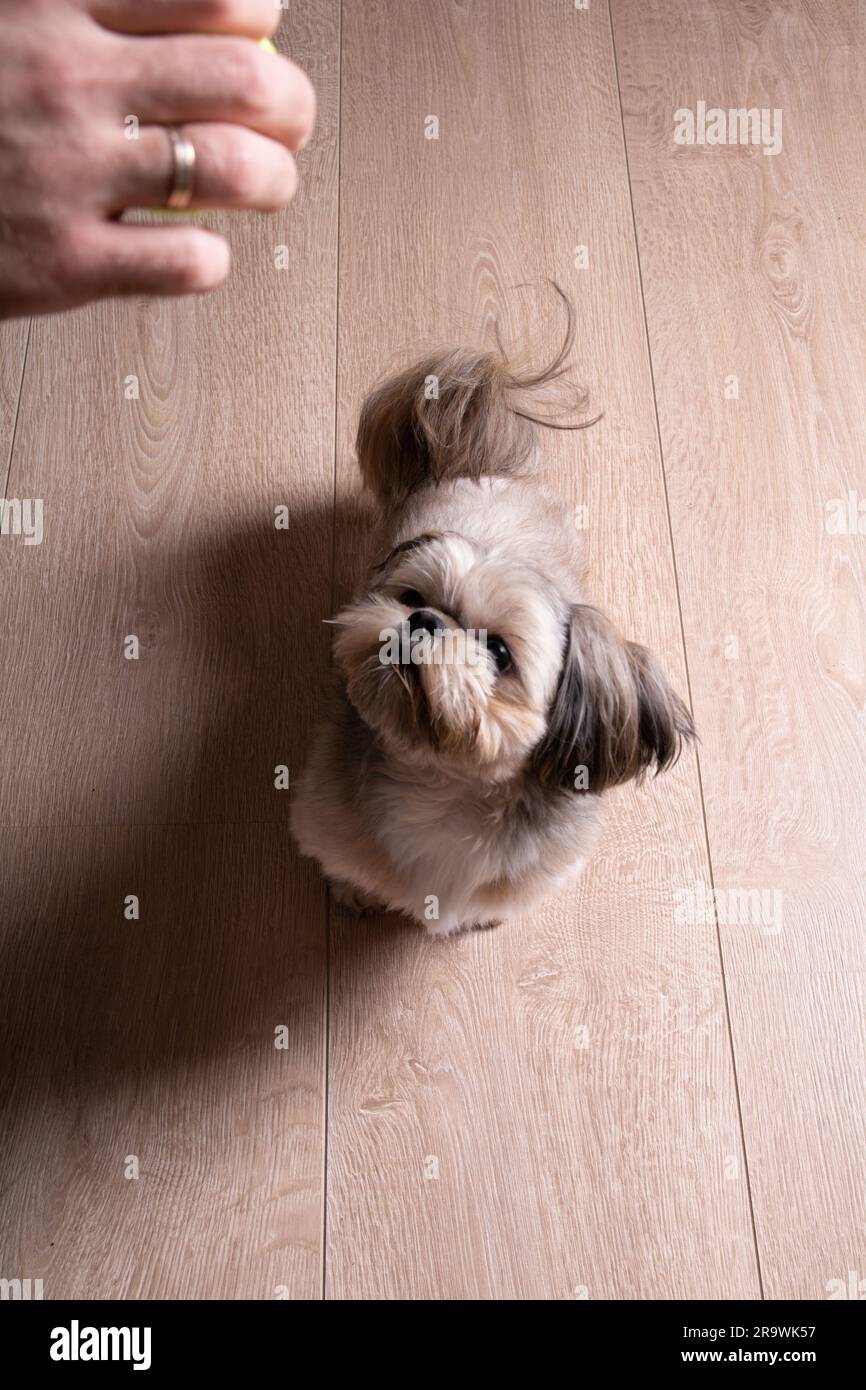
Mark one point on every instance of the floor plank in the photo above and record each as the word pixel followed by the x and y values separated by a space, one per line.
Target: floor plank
pixel 753 267
pixel 155 776
pixel 13 349
pixel 564 1171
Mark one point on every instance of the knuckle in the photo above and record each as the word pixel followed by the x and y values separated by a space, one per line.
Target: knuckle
pixel 50 80
pixel 42 171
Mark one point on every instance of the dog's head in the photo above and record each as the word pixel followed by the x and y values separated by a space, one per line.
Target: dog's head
pixel 465 650
pixel 462 656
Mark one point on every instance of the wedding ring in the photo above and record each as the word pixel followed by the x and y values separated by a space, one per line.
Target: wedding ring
pixel 183 173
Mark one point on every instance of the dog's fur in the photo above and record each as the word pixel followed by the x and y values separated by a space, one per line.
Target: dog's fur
pixel 453 792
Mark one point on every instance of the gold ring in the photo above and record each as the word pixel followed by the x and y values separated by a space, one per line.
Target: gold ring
pixel 183 172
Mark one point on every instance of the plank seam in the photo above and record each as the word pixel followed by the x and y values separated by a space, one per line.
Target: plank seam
pixel 328 903
pixel 8 470
pixel 685 656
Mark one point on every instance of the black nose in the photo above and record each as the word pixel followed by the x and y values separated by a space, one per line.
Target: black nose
pixel 422 621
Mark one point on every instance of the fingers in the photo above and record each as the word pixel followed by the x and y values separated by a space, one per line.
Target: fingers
pixel 234 168
pixel 173 80
pixel 110 258
pixel 253 18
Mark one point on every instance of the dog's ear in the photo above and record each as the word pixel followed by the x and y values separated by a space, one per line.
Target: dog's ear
pixel 613 716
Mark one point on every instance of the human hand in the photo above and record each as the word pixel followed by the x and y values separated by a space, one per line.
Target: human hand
pixel 77 78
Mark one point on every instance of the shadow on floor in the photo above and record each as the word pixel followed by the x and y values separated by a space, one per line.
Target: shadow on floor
pixel 103 1018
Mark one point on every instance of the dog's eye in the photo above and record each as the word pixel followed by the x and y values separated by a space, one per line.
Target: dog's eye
pixel 411 598
pixel 500 653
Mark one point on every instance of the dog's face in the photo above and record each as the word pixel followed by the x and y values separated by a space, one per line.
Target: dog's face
pixel 461 657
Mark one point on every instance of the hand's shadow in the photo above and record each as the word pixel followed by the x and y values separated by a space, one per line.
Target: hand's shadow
pixel 103 1014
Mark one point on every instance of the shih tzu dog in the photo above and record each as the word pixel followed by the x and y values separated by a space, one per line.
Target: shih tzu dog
pixel 483 707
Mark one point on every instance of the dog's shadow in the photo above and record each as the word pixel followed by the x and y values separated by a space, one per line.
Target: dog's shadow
pixel 185 931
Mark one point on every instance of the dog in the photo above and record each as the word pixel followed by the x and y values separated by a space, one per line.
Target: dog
pixel 482 707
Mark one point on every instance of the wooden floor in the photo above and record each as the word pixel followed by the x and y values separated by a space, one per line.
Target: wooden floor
pixel 241 1092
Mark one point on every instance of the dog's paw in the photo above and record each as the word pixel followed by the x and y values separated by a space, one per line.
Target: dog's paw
pixel 355 900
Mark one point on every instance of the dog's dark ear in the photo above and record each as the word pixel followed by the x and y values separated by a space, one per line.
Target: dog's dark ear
pixel 614 714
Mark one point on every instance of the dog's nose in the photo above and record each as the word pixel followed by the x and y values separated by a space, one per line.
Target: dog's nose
pixel 422 621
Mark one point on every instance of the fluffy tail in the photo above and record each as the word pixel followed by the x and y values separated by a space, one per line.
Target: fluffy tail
pixel 457 414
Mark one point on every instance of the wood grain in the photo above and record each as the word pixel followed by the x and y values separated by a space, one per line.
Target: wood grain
pixel 753 267
pixel 477 1147
pixel 155 1141
pixel 549 1110
pixel 156 776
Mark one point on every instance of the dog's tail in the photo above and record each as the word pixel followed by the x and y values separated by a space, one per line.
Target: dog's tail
pixel 459 414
